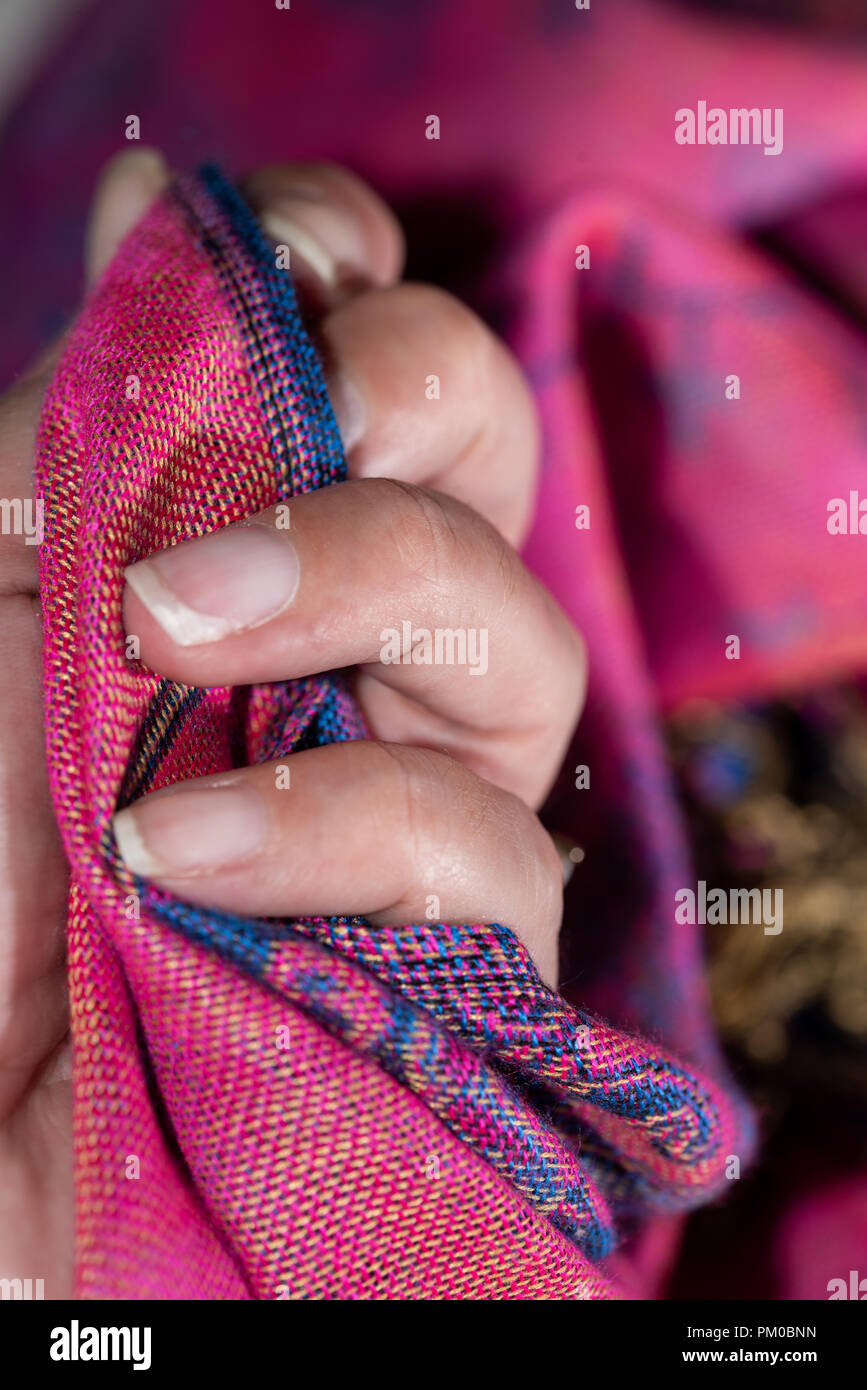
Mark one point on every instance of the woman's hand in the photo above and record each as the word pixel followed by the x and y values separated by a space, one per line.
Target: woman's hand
pixel 439 808
pixel 441 439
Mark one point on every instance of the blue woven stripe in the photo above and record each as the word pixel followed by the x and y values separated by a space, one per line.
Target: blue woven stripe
pixel 308 389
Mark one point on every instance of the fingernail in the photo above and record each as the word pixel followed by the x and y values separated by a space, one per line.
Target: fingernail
pixel 191 831
pixel 203 590
pixel 347 403
pixel 326 241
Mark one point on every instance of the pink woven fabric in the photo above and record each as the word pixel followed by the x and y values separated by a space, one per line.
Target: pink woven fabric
pixel 708 518
pixel 213 1129
pixel 212 1160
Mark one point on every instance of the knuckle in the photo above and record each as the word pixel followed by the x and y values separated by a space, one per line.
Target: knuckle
pixel 425 527
pixel 458 828
pixel 479 829
pixel 463 340
pixel 444 541
pixel 414 774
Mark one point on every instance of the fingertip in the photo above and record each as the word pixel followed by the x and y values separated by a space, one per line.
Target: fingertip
pixel 127 186
pixel 343 234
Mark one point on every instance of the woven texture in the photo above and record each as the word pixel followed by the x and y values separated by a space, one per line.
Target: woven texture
pixel 301 1109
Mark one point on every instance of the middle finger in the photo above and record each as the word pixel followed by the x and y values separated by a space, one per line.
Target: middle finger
pixel 412 586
